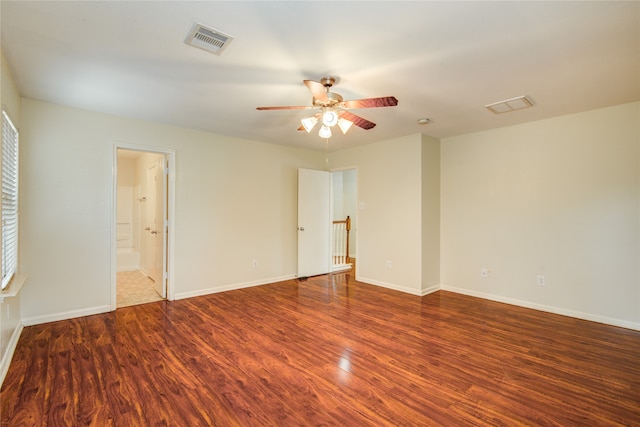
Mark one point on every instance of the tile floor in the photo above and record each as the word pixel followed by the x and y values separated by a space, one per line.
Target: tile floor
pixel 133 288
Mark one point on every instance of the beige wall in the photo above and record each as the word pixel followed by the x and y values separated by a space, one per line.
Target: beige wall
pixel 559 198
pixel 127 206
pixel 235 202
pixel 10 315
pixel 399 185
pixel 430 151
pixel 389 226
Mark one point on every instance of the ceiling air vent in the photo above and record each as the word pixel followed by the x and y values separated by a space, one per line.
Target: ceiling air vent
pixel 517 103
pixel 207 38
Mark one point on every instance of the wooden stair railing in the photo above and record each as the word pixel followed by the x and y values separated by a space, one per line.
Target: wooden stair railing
pixel 340 253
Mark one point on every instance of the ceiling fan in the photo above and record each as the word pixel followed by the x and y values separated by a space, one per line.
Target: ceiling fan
pixel 333 109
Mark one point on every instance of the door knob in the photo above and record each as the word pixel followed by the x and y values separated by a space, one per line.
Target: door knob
pixel 301 228
pixel 154 232
pixel 147 228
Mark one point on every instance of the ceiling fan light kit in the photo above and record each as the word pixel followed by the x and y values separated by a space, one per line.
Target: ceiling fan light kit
pixel 325 132
pixel 344 125
pixel 309 123
pixel 333 108
pixel 329 117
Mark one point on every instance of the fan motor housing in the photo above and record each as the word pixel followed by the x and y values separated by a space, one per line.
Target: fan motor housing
pixel 334 98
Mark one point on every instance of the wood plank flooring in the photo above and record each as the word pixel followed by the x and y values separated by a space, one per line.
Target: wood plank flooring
pixel 326 351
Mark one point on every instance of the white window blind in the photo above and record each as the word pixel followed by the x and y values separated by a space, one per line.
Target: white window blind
pixel 9 200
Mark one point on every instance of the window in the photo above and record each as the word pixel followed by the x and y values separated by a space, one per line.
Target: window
pixel 9 200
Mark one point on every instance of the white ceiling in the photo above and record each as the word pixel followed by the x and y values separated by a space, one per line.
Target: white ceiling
pixel 442 60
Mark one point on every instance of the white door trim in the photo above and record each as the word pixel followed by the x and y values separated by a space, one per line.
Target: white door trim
pixel 170 155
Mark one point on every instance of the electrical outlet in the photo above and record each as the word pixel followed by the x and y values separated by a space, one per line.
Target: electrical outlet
pixel 484 272
pixel 254 264
pixel 541 281
pixel 388 265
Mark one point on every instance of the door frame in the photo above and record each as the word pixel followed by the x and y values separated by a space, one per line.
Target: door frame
pixel 169 154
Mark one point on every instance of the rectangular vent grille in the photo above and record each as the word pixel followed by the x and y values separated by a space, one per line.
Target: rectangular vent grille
pixel 508 105
pixel 208 39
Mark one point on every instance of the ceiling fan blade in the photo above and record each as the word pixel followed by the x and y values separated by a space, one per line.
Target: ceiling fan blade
pixel 317 90
pixel 292 107
pixel 385 101
pixel 357 120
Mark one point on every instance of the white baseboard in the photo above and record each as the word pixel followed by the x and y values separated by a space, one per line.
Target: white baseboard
pixel 404 289
pixel 201 292
pixel 430 290
pixel 8 353
pixel 545 308
pixel 29 321
pixel 512 301
pixel 340 267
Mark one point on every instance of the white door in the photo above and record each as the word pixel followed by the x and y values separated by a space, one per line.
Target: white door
pixel 156 231
pixel 314 222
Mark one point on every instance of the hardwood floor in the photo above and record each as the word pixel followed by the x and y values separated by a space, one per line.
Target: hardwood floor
pixel 324 351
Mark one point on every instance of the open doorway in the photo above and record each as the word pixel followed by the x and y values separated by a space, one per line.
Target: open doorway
pixel 344 210
pixel 326 221
pixel 142 223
